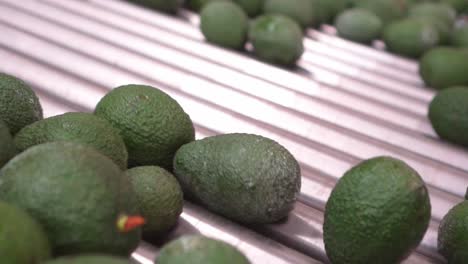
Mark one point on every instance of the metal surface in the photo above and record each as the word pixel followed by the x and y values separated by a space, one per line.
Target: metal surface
pixel 344 103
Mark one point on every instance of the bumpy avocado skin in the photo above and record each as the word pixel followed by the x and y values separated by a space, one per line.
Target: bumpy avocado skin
pixel 448 113
pixel 83 128
pixel 19 105
pixel 200 250
pixel 276 39
pixel 444 67
pixel 7 146
pixel 247 178
pixel 152 124
pixel 453 235
pixel 76 193
pixel 377 213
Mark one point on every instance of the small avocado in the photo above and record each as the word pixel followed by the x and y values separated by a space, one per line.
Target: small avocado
pixel 251 7
pixel 77 194
pixel 83 128
pixel 453 235
pixel 387 10
pixel 299 10
pixel 19 105
pixel 441 11
pixel 378 212
pixel 22 239
pixel 444 67
pixel 247 178
pixel 197 5
pixel 159 196
pixel 197 249
pixel 276 39
pixel 224 23
pixel 169 6
pixel 89 259
pixel 448 113
pixel 411 37
pixel 359 25
pixel 460 36
pixel 7 145
pixel 152 124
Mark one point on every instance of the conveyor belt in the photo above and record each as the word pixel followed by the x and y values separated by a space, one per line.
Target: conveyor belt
pixel 343 103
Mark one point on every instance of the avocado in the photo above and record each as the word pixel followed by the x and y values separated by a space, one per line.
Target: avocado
pixel 251 7
pixel 196 249
pixel 459 5
pixel 151 123
pixel 197 5
pixel 377 213
pixel 441 11
pixel 453 235
pixel 325 11
pixel 19 105
pixel 444 67
pixel 76 193
pixel 443 28
pixel 247 178
pixel 89 259
pixel 22 239
pixel 448 113
pixel 387 10
pixel 359 25
pixel 276 39
pixel 460 36
pixel 299 10
pixel 7 146
pixel 169 6
pixel 224 23
pixel 411 37
pixel 159 196
pixel 83 128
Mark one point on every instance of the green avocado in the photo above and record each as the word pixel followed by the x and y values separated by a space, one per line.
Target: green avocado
pixel 247 178
pixel 411 37
pixel 197 5
pixel 7 145
pixel 377 213
pixel 453 235
pixel 19 105
pixel 151 123
pixel 444 67
pixel 224 23
pixel 159 196
pixel 276 39
pixel 169 6
pixel 443 28
pixel 83 128
pixel 441 11
pixel 76 193
pixel 251 7
pixel 200 250
pixel 89 259
pixel 359 25
pixel 325 11
pixel 299 10
pixel 22 239
pixel 387 10
pixel 448 113
pixel 460 36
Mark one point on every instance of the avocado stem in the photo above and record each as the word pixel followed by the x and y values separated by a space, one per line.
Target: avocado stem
pixel 127 223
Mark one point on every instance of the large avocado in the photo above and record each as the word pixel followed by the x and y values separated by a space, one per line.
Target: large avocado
pixel 151 123
pixel 83 128
pixel 359 25
pixel 76 193
pixel 444 67
pixel 19 105
pixel 248 178
pixel 377 213
pixel 7 146
pixel 387 10
pixel 453 235
pixel 22 239
pixel 448 113
pixel 299 10
pixel 276 39
pixel 251 7
pixel 441 11
pixel 411 37
pixel 200 250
